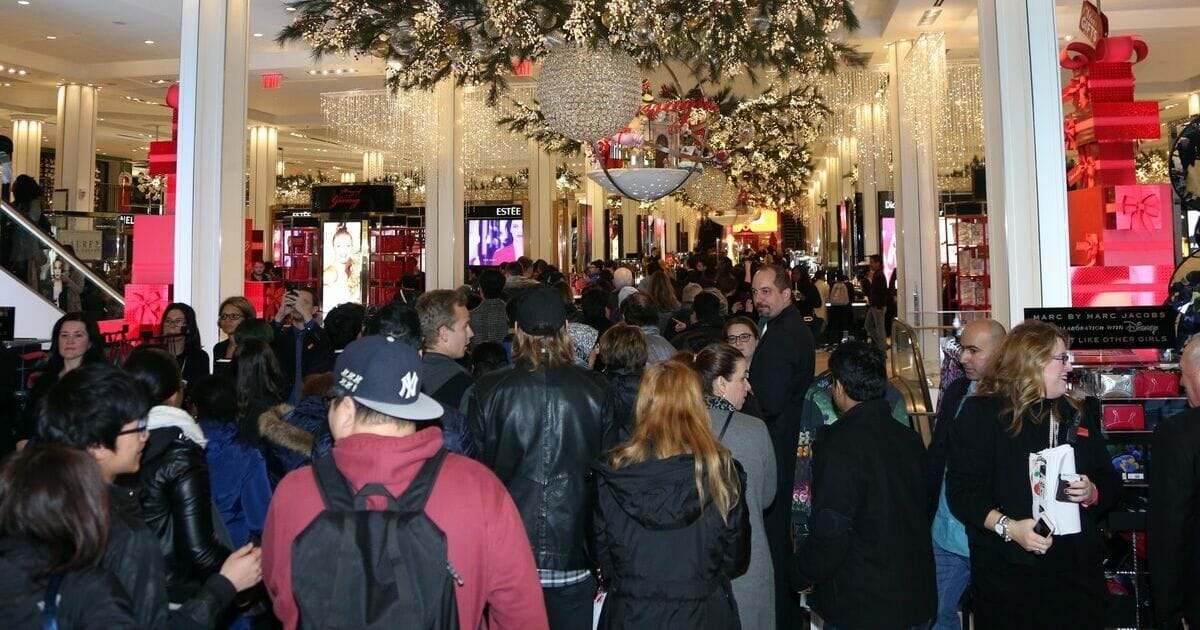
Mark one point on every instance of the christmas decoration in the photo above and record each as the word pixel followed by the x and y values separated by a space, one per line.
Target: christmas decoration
pixel 1152 167
pixel 588 94
pixel 477 40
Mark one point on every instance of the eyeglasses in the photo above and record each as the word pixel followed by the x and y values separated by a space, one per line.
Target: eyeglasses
pixel 142 428
pixel 230 317
pixel 177 322
pixel 742 338
pixel 1065 358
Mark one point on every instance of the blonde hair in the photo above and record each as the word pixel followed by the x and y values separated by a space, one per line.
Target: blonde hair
pixel 672 420
pixel 549 351
pixel 1016 370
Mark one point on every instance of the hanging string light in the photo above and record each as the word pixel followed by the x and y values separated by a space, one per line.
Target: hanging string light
pixel 487 147
pixel 960 138
pixel 923 91
pixel 403 124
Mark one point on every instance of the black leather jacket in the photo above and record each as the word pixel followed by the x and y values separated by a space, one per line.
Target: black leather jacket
pixel 538 430
pixel 177 506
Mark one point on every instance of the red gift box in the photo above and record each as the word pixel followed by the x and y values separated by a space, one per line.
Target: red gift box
pixel 265 296
pixel 1155 384
pixel 1124 418
pixel 1125 285
pixel 1085 222
pixel 1139 208
pixel 1134 120
pixel 155 262
pixel 144 306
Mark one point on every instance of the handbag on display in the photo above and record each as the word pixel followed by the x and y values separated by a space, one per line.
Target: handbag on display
pixel 1124 418
pixel 1116 385
pixel 1155 384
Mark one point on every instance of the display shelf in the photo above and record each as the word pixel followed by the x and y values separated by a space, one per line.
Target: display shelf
pixel 396 252
pixel 966 252
pixel 298 256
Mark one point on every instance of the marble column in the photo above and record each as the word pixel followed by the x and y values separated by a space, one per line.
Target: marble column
pixel 444 237
pixel 210 204
pixel 264 157
pixel 75 146
pixel 27 145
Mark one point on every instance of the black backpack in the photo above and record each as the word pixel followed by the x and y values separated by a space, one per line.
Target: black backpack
pixel 359 568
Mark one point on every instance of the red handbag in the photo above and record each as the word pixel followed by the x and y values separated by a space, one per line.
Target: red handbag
pixel 1124 418
pixel 1155 384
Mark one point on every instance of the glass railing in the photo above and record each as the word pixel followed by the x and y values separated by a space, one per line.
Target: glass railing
pixel 908 375
pixel 66 273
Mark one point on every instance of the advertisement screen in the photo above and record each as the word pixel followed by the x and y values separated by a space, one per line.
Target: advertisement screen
pixel 494 241
pixel 343 252
pixel 887 234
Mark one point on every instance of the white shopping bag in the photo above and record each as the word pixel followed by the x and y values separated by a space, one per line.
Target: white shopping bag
pixel 1044 470
pixel 597 606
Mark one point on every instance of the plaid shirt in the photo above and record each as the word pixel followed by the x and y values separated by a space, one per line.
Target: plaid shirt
pixel 559 579
pixel 489 321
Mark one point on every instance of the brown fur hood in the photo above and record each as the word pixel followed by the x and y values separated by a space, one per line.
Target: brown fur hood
pixel 276 430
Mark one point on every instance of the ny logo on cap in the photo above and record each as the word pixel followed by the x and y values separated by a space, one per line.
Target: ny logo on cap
pixel 408 385
pixel 349 380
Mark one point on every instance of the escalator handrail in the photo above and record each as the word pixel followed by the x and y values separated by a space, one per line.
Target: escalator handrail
pixel 927 399
pixel 20 219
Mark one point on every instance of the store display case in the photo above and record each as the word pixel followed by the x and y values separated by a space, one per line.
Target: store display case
pixel 396 252
pixel 966 250
pixel 298 255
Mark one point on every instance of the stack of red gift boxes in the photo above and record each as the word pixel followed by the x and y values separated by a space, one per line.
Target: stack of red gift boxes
pixel 1122 242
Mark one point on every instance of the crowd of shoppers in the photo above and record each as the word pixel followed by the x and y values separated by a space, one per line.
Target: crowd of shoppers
pixel 669 447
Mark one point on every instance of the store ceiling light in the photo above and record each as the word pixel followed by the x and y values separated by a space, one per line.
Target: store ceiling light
pixel 929 17
pixel 149 42
pixel 23 3
pixel 258 34
pixel 51 37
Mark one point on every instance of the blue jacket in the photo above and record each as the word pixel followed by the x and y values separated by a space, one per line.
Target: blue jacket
pixel 238 478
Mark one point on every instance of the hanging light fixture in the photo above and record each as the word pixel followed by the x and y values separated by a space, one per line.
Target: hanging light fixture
pixel 588 94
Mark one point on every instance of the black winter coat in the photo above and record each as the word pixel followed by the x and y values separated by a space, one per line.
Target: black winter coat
pixel 538 430
pixel 668 562
pixel 87 598
pixel 623 390
pixel 177 506
pixel 1175 519
pixel 698 335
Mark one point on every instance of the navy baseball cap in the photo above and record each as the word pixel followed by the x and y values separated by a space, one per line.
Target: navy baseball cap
pixel 384 374
pixel 540 311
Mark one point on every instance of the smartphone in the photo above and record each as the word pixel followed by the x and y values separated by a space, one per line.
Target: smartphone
pixel 1043 527
pixel 1064 480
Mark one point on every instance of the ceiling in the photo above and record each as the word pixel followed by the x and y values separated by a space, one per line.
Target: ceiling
pixel 105 44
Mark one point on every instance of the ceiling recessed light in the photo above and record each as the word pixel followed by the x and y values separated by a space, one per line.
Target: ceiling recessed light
pixel 289 8
pixel 23 2
pixel 258 34
pixel 149 42
pixel 51 37
pixel 21 72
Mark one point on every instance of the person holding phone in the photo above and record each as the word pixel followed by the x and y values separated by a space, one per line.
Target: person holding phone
pixel 303 348
pixel 1026 575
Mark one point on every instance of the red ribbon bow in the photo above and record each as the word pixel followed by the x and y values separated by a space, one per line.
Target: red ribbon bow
pixel 1078 90
pixel 146 307
pixel 1083 56
pixel 1069 132
pixel 1147 207
pixel 1084 171
pixel 1090 246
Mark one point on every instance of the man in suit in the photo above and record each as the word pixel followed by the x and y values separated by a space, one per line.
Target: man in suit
pixel 1174 544
pixel 979 342
pixel 780 374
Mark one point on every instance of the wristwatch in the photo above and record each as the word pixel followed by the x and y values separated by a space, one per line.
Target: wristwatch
pixel 1001 528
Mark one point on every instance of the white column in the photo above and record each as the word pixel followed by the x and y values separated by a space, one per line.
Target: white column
pixel 919 284
pixel 596 197
pixel 209 228
pixel 540 240
pixel 75 146
pixel 1194 104
pixel 1026 187
pixel 444 242
pixel 27 145
pixel 264 145
pixel 372 165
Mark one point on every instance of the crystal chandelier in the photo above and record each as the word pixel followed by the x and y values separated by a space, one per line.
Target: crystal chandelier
pixel 588 94
pixel 713 190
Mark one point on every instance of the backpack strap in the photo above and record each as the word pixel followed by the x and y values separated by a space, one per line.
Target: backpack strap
pixel 417 494
pixel 336 492
pixel 50 603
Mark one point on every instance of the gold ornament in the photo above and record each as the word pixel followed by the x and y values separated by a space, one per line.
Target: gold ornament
pixel 452 32
pixel 381 48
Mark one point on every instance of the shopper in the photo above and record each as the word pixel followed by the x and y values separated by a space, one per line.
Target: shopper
pixel 175 494
pixel 821 310
pixel 75 341
pixel 742 333
pixel 181 336
pixel 376 426
pixel 446 331
pixel 869 556
pixel 237 471
pixel 725 376
pixel 841 309
pixel 259 386
pixel 593 305
pixel 660 291
pixel 53 528
pixel 489 320
pixel 397 320
pixel 101 410
pixel 233 311
pixel 1175 506
pixel 877 301
pixel 27 254
pixel 487 358
pixel 706 325
pixel 621 357
pixel 951 552
pixel 780 373
pixel 671 519
pixel 1022 406
pixel 344 324
pixel 622 279
pixel 542 404
pixel 639 310
pixel 304 347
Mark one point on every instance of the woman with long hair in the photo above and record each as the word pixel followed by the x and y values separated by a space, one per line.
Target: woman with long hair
pixel 621 356
pixel 1023 405
pixel 259 385
pixel 670 521
pixel 725 374
pixel 181 336
pixel 53 531
pixel 74 341
pixel 233 311
pixel 662 293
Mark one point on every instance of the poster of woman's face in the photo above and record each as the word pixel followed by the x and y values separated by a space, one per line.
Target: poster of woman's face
pixel 342 253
